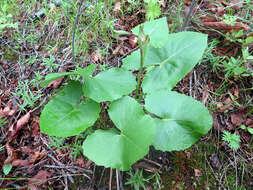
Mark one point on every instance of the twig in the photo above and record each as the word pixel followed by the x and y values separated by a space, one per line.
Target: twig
pixel 110 180
pixel 117 179
pixel 189 14
pixel 74 28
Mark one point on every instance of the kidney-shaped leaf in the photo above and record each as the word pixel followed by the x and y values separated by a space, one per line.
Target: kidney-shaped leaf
pixel 171 62
pixel 65 116
pixel 183 120
pixel 109 85
pixel 178 57
pixel 158 31
pixel 120 150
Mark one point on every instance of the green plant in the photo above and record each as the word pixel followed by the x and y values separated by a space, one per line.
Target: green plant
pixel 233 140
pixel 3 121
pixel 7 168
pixel 153 9
pixel 233 67
pixel 28 97
pixel 249 129
pixel 168 120
pixel 6 20
pixel 76 147
pixel 137 180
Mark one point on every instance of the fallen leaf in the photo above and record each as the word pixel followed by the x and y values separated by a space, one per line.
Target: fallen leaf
pixel 237 118
pixel 117 49
pixel 20 123
pixel 96 56
pixel 220 11
pixel 80 162
pixel 40 178
pixel 197 173
pixel 12 155
pixel 133 41
pixel 56 83
pixel 20 163
pixel 207 18
pixel 225 26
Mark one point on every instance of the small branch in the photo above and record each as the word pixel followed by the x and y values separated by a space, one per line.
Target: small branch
pixel 117 179
pixel 110 179
pixel 189 14
pixel 80 10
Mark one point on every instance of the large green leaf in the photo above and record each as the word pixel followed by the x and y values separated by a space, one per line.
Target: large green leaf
pixel 65 116
pixel 120 150
pixel 170 63
pixel 183 120
pixel 109 85
pixel 178 57
pixel 158 31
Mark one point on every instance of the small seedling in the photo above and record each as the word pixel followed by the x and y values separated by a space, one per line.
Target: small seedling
pixel 153 9
pixel 233 140
pixel 137 180
pixel 233 67
pixel 249 129
pixel 28 97
pixel 6 20
pixel 7 168
pixel 3 121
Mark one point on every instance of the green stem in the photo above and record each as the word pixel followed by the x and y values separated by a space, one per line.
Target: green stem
pixel 143 41
pixel 139 74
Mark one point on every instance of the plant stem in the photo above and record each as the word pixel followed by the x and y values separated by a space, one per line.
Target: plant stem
pixel 143 41
pixel 139 74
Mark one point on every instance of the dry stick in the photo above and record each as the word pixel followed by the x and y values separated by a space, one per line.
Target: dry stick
pixel 117 179
pixel 188 15
pixel 74 28
pixel 110 180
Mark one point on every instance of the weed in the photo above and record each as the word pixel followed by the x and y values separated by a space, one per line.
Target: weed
pixel 233 140
pixel 50 63
pixel 137 180
pixel 75 147
pixel 233 67
pixel 3 121
pixel 248 129
pixel 153 9
pixel 6 19
pixel 28 97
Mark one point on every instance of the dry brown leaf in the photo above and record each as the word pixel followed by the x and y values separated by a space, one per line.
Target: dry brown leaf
pixel 225 26
pixel 237 118
pixel 12 155
pixel 133 40
pixel 20 163
pixel 20 123
pixel 56 83
pixel 197 173
pixel 207 18
pixel 117 49
pixel 220 11
pixel 96 56
pixel 40 178
pixel 80 162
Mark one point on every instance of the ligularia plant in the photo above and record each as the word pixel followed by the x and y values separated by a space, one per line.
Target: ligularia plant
pixel 166 119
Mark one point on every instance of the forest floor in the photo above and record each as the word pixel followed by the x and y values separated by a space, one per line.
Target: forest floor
pixel 36 38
